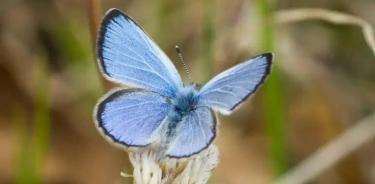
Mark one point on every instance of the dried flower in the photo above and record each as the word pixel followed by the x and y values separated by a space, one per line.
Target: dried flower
pixel 150 167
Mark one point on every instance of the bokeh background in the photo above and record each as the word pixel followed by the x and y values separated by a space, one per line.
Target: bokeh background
pixel 321 85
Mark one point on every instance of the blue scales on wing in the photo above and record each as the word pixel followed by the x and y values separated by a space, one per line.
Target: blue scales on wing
pixel 228 89
pixel 131 117
pixel 196 132
pixel 127 55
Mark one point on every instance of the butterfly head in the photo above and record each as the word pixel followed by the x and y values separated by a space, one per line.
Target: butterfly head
pixel 186 99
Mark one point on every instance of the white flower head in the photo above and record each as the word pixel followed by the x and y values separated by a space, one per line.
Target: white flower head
pixel 151 168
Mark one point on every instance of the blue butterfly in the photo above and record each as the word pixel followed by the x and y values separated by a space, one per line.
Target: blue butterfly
pixel 161 109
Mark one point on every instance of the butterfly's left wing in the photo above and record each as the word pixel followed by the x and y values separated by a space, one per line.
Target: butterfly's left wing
pixel 130 117
pixel 228 89
pixel 128 55
pixel 196 132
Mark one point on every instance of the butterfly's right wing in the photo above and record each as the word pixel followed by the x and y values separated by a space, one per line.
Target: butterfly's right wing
pixel 130 117
pixel 128 55
pixel 196 132
pixel 231 87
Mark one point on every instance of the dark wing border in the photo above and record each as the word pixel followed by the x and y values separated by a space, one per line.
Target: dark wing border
pixel 111 13
pixel 99 108
pixel 269 58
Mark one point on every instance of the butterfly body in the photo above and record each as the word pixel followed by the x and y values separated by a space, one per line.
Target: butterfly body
pixel 184 102
pixel 161 109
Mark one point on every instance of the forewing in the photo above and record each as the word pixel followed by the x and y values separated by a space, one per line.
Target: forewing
pixel 130 117
pixel 196 132
pixel 225 91
pixel 128 55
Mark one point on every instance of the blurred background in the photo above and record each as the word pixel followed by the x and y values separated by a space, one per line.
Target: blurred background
pixel 321 85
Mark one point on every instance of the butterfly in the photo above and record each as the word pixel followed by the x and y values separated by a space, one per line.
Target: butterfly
pixel 161 109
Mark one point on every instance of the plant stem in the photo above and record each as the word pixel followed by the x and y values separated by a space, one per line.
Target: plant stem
pixel 273 98
pixel 94 14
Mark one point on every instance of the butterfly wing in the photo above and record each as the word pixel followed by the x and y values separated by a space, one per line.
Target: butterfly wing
pixel 130 117
pixel 225 91
pixel 196 132
pixel 127 55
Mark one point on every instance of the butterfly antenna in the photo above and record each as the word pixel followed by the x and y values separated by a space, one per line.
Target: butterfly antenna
pixel 179 54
